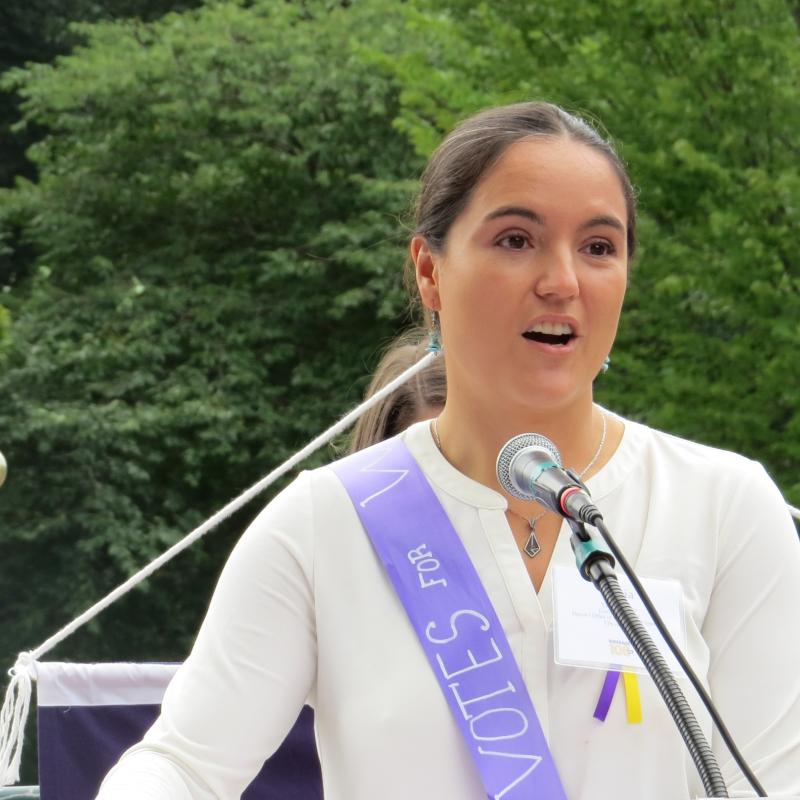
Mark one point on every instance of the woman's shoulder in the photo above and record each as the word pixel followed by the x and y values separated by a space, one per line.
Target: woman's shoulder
pixel 695 465
pixel 655 443
pixel 310 488
pixel 313 489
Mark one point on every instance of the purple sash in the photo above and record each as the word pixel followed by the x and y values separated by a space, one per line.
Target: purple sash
pixel 454 620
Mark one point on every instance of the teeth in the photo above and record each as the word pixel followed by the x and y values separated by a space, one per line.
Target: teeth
pixel 551 328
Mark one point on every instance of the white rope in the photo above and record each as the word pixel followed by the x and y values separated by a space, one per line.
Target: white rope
pixel 13 718
pixel 795 512
pixel 18 694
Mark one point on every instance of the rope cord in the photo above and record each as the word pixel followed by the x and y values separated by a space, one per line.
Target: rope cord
pixel 18 693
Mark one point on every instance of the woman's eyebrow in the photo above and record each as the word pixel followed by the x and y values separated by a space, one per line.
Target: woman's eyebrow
pixel 515 211
pixel 528 213
pixel 603 219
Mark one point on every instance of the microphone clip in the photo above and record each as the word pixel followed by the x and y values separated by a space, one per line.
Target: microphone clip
pixel 575 477
pixel 589 551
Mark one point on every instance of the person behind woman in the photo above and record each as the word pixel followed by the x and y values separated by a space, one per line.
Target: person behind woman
pixel 525 230
pixel 417 399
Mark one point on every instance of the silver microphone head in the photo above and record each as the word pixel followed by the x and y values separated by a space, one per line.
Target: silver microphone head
pixel 511 449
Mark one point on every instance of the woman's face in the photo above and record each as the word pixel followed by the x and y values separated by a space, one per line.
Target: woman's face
pixel 530 284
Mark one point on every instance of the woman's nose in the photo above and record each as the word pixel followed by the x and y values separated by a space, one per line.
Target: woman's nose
pixel 556 275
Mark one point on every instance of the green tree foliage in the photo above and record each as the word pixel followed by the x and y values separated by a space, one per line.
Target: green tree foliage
pixel 703 100
pixel 219 259
pixel 38 31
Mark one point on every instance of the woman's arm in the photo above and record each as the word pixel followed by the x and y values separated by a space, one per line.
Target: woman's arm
pixel 252 667
pixel 753 631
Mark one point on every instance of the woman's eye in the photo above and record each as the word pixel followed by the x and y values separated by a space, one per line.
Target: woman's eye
pixel 513 241
pixel 600 248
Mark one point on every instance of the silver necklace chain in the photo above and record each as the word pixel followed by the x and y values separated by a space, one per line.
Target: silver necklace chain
pixel 532 547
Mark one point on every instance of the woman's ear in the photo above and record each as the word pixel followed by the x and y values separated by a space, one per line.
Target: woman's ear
pixel 427 272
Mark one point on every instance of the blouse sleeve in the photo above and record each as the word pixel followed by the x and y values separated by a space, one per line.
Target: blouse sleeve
pixel 752 628
pixel 231 704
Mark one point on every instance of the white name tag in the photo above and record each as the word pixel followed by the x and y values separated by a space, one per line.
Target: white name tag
pixel 586 635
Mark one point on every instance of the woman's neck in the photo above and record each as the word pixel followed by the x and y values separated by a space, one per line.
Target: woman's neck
pixel 471 437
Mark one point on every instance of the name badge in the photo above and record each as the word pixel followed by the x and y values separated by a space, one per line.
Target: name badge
pixel 586 635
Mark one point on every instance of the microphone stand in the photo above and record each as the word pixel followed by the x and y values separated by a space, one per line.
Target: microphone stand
pixel 596 564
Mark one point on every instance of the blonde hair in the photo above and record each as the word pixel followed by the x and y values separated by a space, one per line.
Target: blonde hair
pixel 407 402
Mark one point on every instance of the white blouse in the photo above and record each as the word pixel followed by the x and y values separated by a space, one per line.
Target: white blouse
pixel 303 612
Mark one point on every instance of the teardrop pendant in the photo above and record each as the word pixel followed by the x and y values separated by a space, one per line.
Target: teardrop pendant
pixel 532 546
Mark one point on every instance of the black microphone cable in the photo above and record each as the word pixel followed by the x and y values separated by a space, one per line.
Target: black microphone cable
pixel 597 522
pixel 602 575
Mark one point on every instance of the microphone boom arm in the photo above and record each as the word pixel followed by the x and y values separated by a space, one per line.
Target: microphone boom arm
pixel 596 564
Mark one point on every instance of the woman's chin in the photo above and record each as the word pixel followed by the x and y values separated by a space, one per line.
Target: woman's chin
pixel 552 393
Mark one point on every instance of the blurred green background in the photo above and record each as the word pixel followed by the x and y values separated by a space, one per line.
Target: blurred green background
pixel 203 222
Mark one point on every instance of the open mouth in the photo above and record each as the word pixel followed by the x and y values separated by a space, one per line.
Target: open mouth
pixel 548 338
pixel 552 333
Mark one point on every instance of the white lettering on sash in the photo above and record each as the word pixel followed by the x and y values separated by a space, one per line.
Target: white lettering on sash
pixel 534 759
pixel 417 553
pixel 371 468
pixel 462 704
pixel 505 711
pixel 422 558
pixel 485 625
pixel 505 722
pixel 473 662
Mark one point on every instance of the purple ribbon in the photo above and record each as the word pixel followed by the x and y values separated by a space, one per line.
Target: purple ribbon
pixel 606 695
pixel 454 620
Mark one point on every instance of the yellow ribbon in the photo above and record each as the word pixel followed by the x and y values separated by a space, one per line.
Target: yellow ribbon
pixel 633 702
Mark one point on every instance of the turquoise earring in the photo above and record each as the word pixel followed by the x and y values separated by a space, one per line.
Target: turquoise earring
pixel 606 363
pixel 434 338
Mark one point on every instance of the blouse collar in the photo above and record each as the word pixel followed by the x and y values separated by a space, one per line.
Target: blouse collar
pixel 419 439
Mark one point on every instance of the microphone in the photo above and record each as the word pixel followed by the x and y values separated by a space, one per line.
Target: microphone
pixel 529 467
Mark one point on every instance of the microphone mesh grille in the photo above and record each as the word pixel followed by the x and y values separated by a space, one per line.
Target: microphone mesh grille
pixel 510 450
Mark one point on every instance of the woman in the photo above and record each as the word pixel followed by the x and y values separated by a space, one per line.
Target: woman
pixel 525 228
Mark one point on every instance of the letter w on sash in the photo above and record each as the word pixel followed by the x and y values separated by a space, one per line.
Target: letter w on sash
pixel 370 468
pixel 534 759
